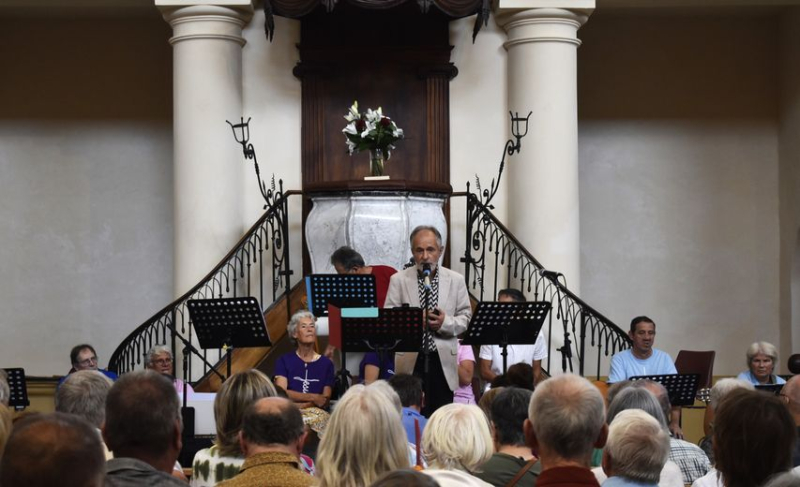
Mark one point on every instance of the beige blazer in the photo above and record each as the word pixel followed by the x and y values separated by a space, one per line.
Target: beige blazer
pixel 453 300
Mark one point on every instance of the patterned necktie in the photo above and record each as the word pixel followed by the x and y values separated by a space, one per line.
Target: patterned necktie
pixel 427 337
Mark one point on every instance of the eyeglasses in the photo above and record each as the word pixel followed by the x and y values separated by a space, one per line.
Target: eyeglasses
pixel 87 362
pixel 163 361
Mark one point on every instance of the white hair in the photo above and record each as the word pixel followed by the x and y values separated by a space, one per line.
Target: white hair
pixel 291 328
pixel 567 413
pixel 725 386
pixel 765 348
pixel 155 351
pixel 637 445
pixel 457 437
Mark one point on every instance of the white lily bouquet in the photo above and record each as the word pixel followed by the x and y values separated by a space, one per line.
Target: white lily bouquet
pixel 371 131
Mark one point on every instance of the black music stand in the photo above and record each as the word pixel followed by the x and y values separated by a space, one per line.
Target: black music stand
pixel 388 330
pixel 18 388
pixel 506 323
pixel 681 388
pixel 228 323
pixel 343 290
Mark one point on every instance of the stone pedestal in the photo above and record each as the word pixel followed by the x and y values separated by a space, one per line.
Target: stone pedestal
pixel 374 218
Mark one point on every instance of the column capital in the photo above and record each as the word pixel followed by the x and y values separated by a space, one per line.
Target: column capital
pixel 206 19
pixel 528 21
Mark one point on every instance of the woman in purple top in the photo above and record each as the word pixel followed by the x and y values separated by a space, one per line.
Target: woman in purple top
pixel 305 375
pixel 373 368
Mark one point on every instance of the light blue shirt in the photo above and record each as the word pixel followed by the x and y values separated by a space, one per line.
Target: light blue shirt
pixel 625 365
pixel 748 376
pixel 623 482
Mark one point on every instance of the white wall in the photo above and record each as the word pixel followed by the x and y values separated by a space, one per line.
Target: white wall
pixel 85 184
pixel 679 178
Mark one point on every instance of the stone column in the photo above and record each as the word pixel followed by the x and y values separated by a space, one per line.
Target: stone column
pixel 208 167
pixel 543 178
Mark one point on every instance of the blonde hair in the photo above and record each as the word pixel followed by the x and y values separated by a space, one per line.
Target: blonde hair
pixel 364 439
pixel 457 437
pixel 234 397
pixel 638 446
pixel 5 426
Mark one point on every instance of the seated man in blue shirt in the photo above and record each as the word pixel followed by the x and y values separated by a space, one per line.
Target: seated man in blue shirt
pixel 83 357
pixel 643 359
pixel 409 388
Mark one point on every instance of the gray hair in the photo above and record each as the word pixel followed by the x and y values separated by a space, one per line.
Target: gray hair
pixel 5 390
pixel 725 386
pixel 423 228
pixel 568 414
pixel 659 391
pixel 785 479
pixel 637 445
pixel 155 351
pixel 766 348
pixel 636 398
pixel 457 437
pixel 291 328
pixel 83 394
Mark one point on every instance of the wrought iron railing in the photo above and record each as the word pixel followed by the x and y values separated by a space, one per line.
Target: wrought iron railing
pixel 258 265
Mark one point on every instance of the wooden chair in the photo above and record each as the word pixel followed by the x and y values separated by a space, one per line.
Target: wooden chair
pixel 693 362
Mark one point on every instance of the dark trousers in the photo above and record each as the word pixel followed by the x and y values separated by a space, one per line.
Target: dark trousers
pixel 437 392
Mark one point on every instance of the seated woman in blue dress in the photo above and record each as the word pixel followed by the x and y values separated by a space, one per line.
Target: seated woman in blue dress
pixel 761 358
pixel 306 376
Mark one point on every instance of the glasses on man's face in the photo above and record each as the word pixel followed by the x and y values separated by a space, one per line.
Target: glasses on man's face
pixel 87 362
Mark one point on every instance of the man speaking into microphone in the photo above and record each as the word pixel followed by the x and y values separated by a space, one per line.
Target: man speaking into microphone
pixel 442 293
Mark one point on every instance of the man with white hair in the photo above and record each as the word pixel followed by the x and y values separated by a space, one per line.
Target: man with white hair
pixel 791 395
pixel 83 394
pixel 566 421
pixel 636 450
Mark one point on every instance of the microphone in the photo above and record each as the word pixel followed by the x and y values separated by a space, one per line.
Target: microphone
pixel 426 275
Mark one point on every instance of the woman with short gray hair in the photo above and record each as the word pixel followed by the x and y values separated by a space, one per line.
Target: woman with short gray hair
pixel 761 359
pixel 160 359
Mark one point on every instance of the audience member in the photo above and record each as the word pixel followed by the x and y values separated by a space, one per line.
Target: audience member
pixel 5 426
pixel 791 396
pixel 364 439
pixel 512 457
pixel 451 312
pixel 691 459
pixel 643 359
pixel 566 420
pixel 271 439
pixel 159 358
pixel 46 450
pixel 143 430
pixel 375 366
pixel 753 438
pixel 222 460
pixel 636 450
pixel 405 478
pixel 786 479
pixel 761 360
pixel 457 441
pixel 721 388
pixel 83 357
pixel 466 369
pixel 306 376
pixel 490 357
pixel 487 399
pixel 615 389
pixel 409 390
pixel 84 394
pixel 520 375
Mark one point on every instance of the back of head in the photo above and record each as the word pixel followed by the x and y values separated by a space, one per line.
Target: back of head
pixel 405 478
pixel 512 294
pixel 142 411
pixel 486 400
pixel 638 446
pixel 509 412
pixel 636 398
pixel 723 387
pixel 272 421
pixel 520 375
pixel 5 427
pixel 83 394
pixel 5 390
pixel 408 388
pixel 658 391
pixel 364 439
pixel 791 392
pixel 457 437
pixel 53 449
pixel 615 389
pixel 753 438
pixel 234 397
pixel 568 415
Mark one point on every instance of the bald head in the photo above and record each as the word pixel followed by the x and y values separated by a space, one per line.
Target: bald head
pixel 791 392
pixel 272 423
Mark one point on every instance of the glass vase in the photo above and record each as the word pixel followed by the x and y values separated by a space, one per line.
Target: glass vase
pixel 376 162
